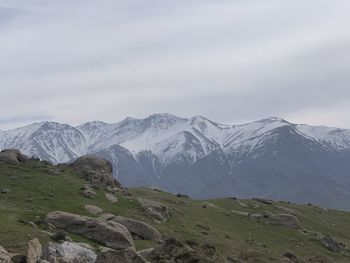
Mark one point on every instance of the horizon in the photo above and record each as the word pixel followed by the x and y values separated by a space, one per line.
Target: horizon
pixel 182 117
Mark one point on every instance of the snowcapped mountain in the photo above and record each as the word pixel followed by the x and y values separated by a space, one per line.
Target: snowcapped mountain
pixel 271 157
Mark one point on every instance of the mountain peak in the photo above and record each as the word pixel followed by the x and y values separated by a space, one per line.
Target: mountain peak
pixel 273 119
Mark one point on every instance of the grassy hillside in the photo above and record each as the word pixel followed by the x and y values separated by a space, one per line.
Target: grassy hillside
pixel 37 188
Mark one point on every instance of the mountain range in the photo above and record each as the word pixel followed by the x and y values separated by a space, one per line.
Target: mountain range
pixel 270 158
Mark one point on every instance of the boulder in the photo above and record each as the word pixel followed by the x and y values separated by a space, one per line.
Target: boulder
pixel 12 156
pixel 70 252
pixel 285 220
pixel 93 209
pixel 124 255
pixel 333 245
pixel 146 252
pixel 4 256
pixel 89 193
pixel 136 227
pixel 263 201
pixel 111 198
pixel 34 251
pixel 154 209
pixel 96 170
pixel 109 233
pixel 286 210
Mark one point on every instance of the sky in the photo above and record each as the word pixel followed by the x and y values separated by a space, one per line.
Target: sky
pixel 231 61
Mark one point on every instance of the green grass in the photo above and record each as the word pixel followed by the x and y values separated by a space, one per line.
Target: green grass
pixel 35 192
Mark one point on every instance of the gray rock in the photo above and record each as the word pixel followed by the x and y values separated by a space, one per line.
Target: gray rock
pixel 12 156
pixel 263 201
pixel 237 212
pixel 124 255
pixel 34 251
pixel 97 171
pixel 89 193
pixel 109 233
pixel 93 209
pixel 111 198
pixel 285 220
pixel 286 210
pixel 136 227
pixel 70 252
pixel 154 209
pixel 146 252
pixel 333 245
pixel 4 256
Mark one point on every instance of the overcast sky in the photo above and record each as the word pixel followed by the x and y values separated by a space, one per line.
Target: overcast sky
pixel 229 60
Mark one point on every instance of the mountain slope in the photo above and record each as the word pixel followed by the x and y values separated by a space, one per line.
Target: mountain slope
pixel 196 156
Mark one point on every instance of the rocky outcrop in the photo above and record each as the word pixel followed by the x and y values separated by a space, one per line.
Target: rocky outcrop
pixel 34 251
pixel 12 156
pixel 109 233
pixel 138 228
pixel 96 170
pixel 111 198
pixel 4 256
pixel 70 252
pixel 93 209
pixel 155 210
pixel 123 255
pixel 285 220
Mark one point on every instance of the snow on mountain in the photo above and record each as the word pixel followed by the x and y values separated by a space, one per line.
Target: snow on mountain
pixel 48 140
pixel 166 136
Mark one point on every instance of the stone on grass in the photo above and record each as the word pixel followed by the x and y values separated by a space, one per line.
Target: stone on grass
pixel 109 233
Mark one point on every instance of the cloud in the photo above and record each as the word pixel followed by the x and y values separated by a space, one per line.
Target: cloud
pixel 229 60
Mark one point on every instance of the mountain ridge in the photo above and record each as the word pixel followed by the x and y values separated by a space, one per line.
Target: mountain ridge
pixel 178 154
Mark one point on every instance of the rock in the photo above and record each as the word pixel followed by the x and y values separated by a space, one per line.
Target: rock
pixel 254 217
pixel 70 252
pixel 333 245
pixel 19 259
pixel 61 236
pixel 89 193
pixel 5 191
pixel 96 170
pixel 174 250
pixel 4 256
pixel 239 213
pixel 286 210
pixel 154 209
pixel 111 198
pixel 34 251
pixel 124 255
pixel 145 252
pixel 264 201
pixel 136 227
pixel 12 156
pixel 93 209
pixel 109 233
pixel 285 220
pixel 112 190
pixel 292 257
